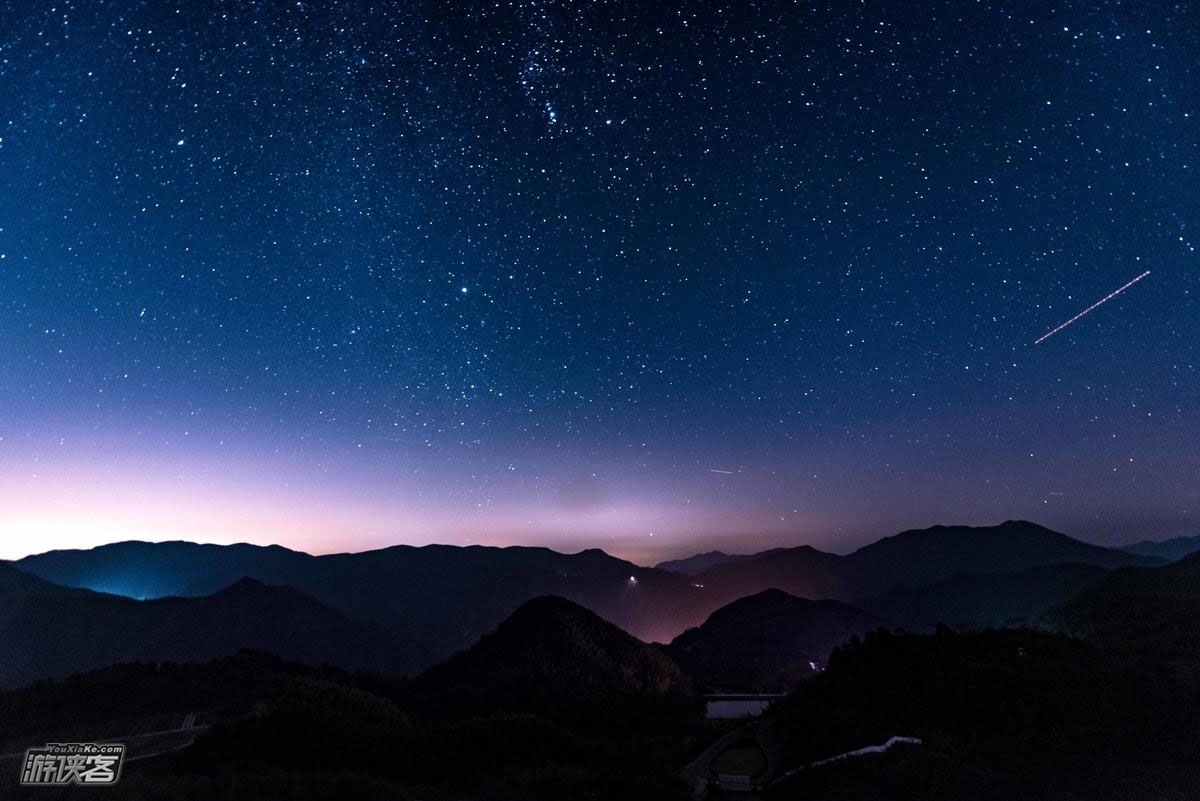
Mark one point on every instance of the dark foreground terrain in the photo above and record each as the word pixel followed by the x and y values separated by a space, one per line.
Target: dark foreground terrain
pixel 1090 693
pixel 586 711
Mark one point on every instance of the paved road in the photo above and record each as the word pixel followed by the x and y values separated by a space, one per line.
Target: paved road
pixel 772 749
pixel 858 752
pixel 698 771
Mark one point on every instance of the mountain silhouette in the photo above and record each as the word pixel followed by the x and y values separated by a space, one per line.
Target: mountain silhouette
pixel 50 631
pixel 911 558
pixel 1152 610
pixel 985 600
pixel 767 641
pixel 445 596
pixel 1003 714
pixel 154 570
pixel 803 571
pixel 1172 550
pixel 697 564
pixel 554 658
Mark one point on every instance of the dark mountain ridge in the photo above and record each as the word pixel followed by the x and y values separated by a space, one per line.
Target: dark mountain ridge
pixel 554 658
pixel 1152 610
pixel 1172 550
pixel 698 563
pixel 767 642
pixel 911 558
pixel 154 570
pixel 445 596
pixel 50 631
pixel 985 600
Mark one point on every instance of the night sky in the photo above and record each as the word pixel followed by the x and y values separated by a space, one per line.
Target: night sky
pixel 651 277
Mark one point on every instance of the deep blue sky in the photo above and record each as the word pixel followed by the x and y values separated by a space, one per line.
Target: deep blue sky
pixel 343 274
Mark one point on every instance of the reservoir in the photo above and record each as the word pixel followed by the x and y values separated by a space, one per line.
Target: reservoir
pixel 732 706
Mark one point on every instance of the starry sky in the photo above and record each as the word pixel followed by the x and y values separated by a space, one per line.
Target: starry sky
pixel 651 277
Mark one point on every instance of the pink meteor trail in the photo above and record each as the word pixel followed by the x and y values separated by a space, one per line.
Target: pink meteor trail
pixel 1102 300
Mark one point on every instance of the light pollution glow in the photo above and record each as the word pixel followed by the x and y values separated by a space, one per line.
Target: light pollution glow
pixel 72 503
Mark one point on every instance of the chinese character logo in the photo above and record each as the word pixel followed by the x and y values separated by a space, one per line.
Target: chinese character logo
pixel 73 763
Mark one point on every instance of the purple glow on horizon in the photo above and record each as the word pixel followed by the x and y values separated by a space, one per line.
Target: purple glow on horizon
pixel 322 291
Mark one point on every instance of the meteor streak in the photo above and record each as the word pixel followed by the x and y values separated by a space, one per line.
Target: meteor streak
pixel 1102 300
pixel 723 472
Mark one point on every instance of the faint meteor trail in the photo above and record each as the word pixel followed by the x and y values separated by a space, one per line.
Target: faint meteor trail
pixel 723 472
pixel 1102 300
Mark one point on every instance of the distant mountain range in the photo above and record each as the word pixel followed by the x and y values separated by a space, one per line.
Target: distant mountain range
pixel 767 642
pixel 412 606
pixel 155 570
pixel 522 681
pixel 1172 550
pixel 49 631
pixel 444 596
pixel 909 559
pixel 697 564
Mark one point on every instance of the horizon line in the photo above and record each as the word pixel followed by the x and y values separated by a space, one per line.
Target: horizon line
pixel 685 555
